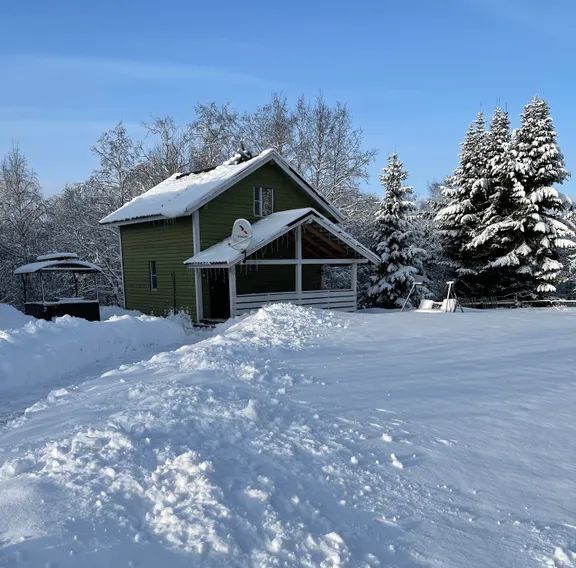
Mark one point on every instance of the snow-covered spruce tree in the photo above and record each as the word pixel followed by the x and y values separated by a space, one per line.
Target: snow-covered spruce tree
pixel 465 198
pixel 539 222
pixel 401 258
pixel 566 286
pixel 497 223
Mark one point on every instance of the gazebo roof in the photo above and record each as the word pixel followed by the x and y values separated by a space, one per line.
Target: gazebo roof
pixel 57 256
pixel 58 262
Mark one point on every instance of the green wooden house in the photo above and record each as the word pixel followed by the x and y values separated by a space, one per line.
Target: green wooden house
pixel 176 252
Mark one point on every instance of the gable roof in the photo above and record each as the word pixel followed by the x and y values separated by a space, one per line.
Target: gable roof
pixel 269 229
pixel 181 194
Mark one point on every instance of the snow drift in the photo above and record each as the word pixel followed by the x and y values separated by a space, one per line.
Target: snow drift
pixel 11 317
pixel 40 352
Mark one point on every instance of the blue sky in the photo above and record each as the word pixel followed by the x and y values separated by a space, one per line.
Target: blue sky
pixel 413 73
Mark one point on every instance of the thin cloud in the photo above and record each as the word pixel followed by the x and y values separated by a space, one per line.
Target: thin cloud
pixel 136 70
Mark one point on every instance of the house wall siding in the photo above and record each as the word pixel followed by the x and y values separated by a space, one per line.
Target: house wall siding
pixel 168 243
pixel 218 216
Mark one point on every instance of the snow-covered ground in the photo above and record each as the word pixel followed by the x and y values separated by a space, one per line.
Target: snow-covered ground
pixel 296 437
pixel 36 356
pixel 12 318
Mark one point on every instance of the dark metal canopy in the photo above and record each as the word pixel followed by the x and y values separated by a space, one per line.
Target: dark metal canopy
pixel 58 262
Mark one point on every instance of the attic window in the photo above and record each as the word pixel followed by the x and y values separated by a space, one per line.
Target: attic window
pixel 263 201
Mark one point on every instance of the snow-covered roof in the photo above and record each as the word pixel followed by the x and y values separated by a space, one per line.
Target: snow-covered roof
pixel 269 229
pixel 57 256
pixel 59 265
pixel 181 194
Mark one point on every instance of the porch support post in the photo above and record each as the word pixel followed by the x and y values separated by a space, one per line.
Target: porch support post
pixel 232 289
pixel 197 271
pixel 299 260
pixel 354 268
pixel 25 284
pixel 42 287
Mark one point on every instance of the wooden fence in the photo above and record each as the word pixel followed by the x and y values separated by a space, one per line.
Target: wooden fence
pixel 489 303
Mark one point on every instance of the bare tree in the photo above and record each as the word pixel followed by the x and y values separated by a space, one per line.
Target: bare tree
pixel 74 215
pixel 270 126
pixel 21 212
pixel 329 152
pixel 119 156
pixel 172 150
pixel 216 134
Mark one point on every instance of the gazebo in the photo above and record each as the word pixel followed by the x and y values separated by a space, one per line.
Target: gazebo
pixel 47 274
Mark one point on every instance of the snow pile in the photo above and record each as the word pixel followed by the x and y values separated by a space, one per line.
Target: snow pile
pixel 295 437
pixel 284 325
pixel 40 352
pixel 185 464
pixel 11 318
pixel 106 312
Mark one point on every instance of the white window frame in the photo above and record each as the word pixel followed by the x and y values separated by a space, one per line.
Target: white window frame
pixel 259 201
pixel 153 275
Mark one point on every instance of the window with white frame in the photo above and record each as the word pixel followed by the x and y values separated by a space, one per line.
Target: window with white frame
pixel 263 201
pixel 153 275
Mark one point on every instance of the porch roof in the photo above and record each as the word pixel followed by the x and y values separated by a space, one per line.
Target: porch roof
pixel 269 229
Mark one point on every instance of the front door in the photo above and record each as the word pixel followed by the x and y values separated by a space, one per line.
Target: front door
pixel 218 294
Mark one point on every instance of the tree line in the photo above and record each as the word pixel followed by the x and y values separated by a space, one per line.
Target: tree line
pixel 496 224
pixel 318 138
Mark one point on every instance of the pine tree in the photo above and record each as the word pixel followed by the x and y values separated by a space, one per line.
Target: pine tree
pixel 465 198
pixel 539 221
pixel 498 223
pixel 401 258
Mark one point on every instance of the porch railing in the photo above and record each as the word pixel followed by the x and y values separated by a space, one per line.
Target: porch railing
pixel 342 300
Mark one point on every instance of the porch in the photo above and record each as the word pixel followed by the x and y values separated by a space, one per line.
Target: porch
pixel 296 256
pixel 239 289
